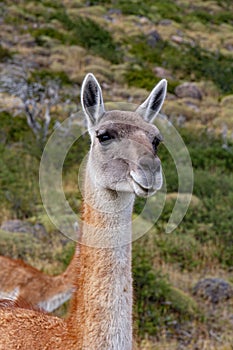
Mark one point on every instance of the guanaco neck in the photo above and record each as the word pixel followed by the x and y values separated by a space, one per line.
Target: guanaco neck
pixel 102 306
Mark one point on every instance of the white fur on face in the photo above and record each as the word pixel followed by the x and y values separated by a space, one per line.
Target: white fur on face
pixel 117 163
pixel 127 162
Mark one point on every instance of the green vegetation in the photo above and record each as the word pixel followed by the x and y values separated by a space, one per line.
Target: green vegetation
pixel 20 196
pixel 4 54
pixel 158 304
pixel 143 77
pixel 89 34
pixel 44 75
pixel 184 61
pixel 41 34
pixel 180 13
pixel 206 224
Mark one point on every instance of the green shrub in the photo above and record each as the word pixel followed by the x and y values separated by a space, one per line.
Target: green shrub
pixel 19 187
pixel 141 77
pixel 209 222
pixel 185 61
pixel 226 4
pixel 182 249
pixel 135 7
pixel 4 54
pixel 53 4
pixel 77 153
pixel 181 13
pixel 19 190
pixel 205 17
pixel 168 9
pixel 157 303
pixel 147 8
pixel 89 34
pixel 207 151
pixel 13 129
pixel 223 17
pixel 50 32
pixel 213 184
pixel 66 255
pixel 18 245
pixel 45 75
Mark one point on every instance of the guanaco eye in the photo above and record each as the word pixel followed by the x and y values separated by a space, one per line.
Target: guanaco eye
pixel 105 137
pixel 156 143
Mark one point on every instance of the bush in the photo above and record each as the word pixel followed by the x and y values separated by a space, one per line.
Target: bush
pixel 45 75
pixel 141 77
pixel 89 34
pixel 50 32
pixel 4 54
pixel 13 129
pixel 157 302
pixel 184 61
pixel 19 187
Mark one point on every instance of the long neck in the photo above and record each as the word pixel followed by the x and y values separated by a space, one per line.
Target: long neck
pixel 102 306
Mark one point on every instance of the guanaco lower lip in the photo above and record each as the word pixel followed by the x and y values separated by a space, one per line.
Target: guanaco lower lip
pixel 139 190
pixel 139 180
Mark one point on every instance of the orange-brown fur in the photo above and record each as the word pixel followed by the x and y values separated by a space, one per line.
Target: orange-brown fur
pixel 34 286
pixel 52 332
pixel 19 303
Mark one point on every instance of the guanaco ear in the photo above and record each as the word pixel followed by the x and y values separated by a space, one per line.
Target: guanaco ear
pixel 92 99
pixel 149 109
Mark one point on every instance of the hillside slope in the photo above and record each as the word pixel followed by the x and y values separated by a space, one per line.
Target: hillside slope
pixel 46 48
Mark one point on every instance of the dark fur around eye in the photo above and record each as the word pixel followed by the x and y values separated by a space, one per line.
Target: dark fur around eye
pixel 105 137
pixel 156 143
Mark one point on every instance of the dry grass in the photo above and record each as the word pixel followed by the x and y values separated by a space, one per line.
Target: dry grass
pixel 213 334
pixel 44 254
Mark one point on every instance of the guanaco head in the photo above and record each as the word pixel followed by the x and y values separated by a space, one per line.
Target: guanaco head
pixel 123 154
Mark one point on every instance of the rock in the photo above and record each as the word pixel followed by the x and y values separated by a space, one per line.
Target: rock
pixel 165 22
pixel 16 226
pixel 21 226
pixel 193 106
pixel 153 38
pixel 229 47
pixel 188 90
pixel 214 290
pixel 39 230
pixel 115 11
pixel 144 20
pixel 161 72
pixel 177 39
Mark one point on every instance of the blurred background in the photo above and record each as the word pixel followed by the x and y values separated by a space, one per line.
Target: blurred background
pixel 183 281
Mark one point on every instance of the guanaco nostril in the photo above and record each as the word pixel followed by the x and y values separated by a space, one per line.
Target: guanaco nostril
pixel 149 163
